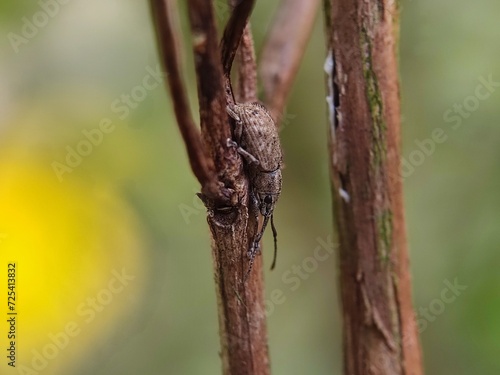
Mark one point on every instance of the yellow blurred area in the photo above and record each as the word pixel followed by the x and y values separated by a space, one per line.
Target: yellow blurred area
pixel 83 88
pixel 77 253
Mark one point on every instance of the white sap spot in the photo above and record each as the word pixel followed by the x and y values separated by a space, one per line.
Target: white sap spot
pixel 344 195
pixel 328 67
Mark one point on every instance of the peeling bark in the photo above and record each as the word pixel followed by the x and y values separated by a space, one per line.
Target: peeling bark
pixel 379 331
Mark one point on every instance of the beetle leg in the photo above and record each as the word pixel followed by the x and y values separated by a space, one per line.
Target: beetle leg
pixel 238 130
pixel 255 246
pixel 254 212
pixel 253 249
pixel 261 233
pixel 267 213
pixel 248 156
pixel 232 113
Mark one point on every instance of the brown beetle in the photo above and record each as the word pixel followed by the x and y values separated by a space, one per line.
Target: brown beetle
pixel 257 140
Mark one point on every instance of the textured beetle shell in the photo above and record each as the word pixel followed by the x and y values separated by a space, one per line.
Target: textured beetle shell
pixel 259 135
pixel 258 142
pixel 268 183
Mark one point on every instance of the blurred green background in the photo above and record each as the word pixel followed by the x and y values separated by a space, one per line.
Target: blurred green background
pixel 129 203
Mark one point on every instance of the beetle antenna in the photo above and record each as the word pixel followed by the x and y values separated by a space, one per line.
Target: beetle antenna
pixel 275 236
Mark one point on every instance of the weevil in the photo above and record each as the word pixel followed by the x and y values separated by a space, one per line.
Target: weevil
pixel 257 140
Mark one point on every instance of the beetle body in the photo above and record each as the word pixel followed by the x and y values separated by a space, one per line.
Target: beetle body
pixel 257 140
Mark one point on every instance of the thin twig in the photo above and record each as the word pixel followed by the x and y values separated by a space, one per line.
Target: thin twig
pixel 231 40
pixel 247 92
pixel 164 15
pixel 283 50
pixel 233 31
pixel 211 96
pixel 247 69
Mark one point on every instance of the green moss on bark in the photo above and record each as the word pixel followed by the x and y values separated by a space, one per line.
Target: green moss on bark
pixel 384 228
pixel 375 104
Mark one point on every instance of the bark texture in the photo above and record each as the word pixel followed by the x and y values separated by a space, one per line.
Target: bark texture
pixel 219 168
pixel 220 172
pixel 242 323
pixel 379 331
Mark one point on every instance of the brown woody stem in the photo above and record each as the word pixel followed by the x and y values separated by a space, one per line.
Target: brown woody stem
pixel 379 331
pixel 242 321
pixel 164 15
